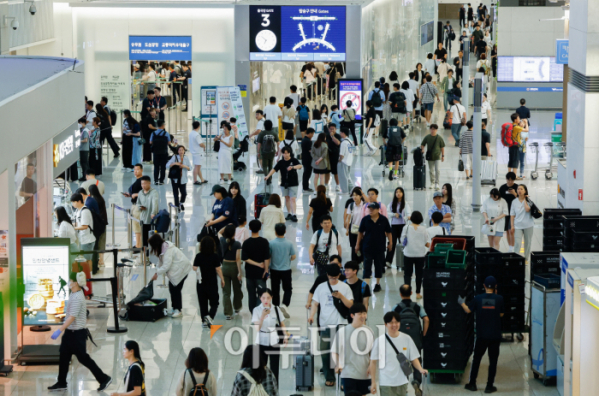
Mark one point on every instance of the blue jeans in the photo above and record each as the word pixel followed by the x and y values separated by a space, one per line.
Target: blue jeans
pixel 522 156
pixel 446 100
pixel 137 151
pixel 455 131
pixel 378 259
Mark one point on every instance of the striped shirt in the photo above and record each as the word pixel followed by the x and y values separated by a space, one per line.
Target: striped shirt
pixel 466 142
pixel 77 307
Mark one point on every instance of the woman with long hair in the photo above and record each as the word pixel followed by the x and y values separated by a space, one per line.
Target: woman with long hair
pixel 369 128
pixel 320 160
pixel 196 372
pixel 238 200
pixel 231 270
pixel 254 372
pixel 387 104
pixel 495 212
pixel 352 219
pixel 319 206
pixel 66 229
pixel 393 78
pixel 522 220
pixel 179 181
pixel 207 267
pixel 416 245
pixel 324 113
pixel 94 192
pixel 399 211
pixel 270 216
pixel 106 129
pixel 225 157
pixel 95 147
pixel 129 130
pixel 447 191
pixel 135 384
pixel 288 114
pixel 173 263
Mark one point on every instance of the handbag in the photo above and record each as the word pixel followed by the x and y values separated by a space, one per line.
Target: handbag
pixel 460 165
pixel 404 363
pixel 534 210
pixel 141 141
pixel 488 229
pixel 322 258
pixel 429 152
pixel 404 243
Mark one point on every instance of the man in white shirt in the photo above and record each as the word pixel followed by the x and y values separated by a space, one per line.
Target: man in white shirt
pixel 90 177
pixel 196 148
pixel 391 379
pixel 84 225
pixel 346 157
pixel 329 316
pixel 89 115
pixel 273 113
pixel 294 96
pixel 259 128
pixel 459 112
pixel 320 241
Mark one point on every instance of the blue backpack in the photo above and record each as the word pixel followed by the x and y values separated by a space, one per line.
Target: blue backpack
pixel 162 221
pixel 304 113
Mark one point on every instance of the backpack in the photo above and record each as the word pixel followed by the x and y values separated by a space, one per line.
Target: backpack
pixel 452 35
pixel 268 144
pixel 394 136
pixel 304 114
pixel 112 117
pixel 161 221
pixel 398 104
pixel 410 322
pixel 99 227
pixel 363 289
pixel 376 98
pixel 289 147
pixel 198 389
pixel 160 143
pixel 256 389
pixel 506 135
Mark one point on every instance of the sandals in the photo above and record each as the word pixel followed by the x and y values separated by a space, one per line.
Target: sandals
pixel 329 383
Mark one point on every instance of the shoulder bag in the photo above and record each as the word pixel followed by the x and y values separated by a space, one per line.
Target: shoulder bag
pixel 429 151
pixel 460 165
pixel 404 363
pixel 322 258
pixel 341 308
pixel 534 210
pixel 175 172
pixel 354 228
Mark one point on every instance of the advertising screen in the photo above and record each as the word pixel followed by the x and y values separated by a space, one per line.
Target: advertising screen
pixel 426 32
pixel 289 33
pixel 529 69
pixel 160 48
pixel 45 277
pixel 351 90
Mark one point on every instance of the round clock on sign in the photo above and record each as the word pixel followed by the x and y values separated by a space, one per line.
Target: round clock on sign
pixel 266 40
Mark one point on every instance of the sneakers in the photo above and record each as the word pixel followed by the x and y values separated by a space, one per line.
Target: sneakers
pixel 377 288
pixel 284 310
pixel 417 390
pixel 309 190
pixel 260 172
pixel 338 189
pixel 228 317
pixel 208 320
pixel 104 384
pixel 389 265
pixel 176 314
pixel 221 182
pixel 289 216
pixel 294 218
pixel 205 325
pixel 490 389
pixel 57 387
pixel 471 387
pixel 390 175
pixel 182 208
pixel 437 187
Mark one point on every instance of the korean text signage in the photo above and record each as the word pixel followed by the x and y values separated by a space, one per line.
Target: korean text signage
pixel 160 48
pixel 116 89
pixel 307 33
pixel 351 90
pixel 229 104
pixel 562 52
pixel 65 149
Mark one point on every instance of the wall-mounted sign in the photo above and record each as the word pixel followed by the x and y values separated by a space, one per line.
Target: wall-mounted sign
pixel 288 33
pixel 427 31
pixel 529 69
pixel 65 149
pixel 562 51
pixel 530 89
pixel 160 48
pixel 351 90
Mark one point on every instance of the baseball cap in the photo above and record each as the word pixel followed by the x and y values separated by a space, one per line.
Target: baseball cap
pixel 333 270
pixel 373 205
pixel 215 188
pixel 438 194
pixel 490 282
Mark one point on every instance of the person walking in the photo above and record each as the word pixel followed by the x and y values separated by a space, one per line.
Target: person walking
pixel 207 263
pixel 319 206
pixel 447 85
pixel 271 215
pixel 353 218
pixel 98 261
pixel 349 120
pixel 509 192
pixel 346 158
pixel 458 112
pixel 239 201
pixel 160 140
pixel 399 211
pixel 333 140
pixel 360 289
pixel 374 231
pixel 231 270
pixel 255 251
pixel 75 337
pixel 83 147
pixel 267 146
pixel 522 220
pixel 369 128
pixel 416 241
pixel 466 149
pixel 445 210
pixel 197 150
pixel 173 263
pixel 462 16
pixel 523 111
pixel 196 372
pixel 514 150
pixel 324 244
pixel 282 253
pixel 106 129
pixel 394 139
pixel 307 160
pixel 135 383
pixel 127 141
pixel 95 148
pixel 434 155
pixel 272 113
pixel 178 166
pixel 291 143
pixel 495 212
pixel 84 223
pixel 320 160
pixel 148 125
pixel 147 205
pixel 289 112
pixel 378 99
pixel 488 309
pixel 288 167
pixel 254 375
pixel 427 93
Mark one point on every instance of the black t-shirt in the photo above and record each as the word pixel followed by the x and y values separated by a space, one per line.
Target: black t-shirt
pixel 333 148
pixel 440 53
pixel 240 206
pixel 229 254
pixel 288 178
pixel 481 46
pixel 523 112
pixel 187 76
pixel 135 377
pixel 486 139
pixel 208 264
pixel 395 98
pixel 470 13
pixel 134 189
pixel 306 146
pixel 258 250
pixel 28 186
pixel 462 12
pixel 488 309
pixel 144 107
pixel 509 197
pixel 370 115
pixel 374 233
pixel 356 289
pixel 145 123
pixel 320 208
pixel 322 279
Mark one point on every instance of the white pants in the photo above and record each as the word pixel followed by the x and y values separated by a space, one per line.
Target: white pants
pixel 467 160
pixel 344 181
pixel 527 234
pixel 369 142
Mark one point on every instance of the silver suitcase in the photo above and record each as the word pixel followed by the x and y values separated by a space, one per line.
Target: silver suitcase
pixel 488 172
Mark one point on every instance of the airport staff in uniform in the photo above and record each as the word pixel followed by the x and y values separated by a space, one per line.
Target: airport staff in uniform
pixel 75 337
pixel 489 310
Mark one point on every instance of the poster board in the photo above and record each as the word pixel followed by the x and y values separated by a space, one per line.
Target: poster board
pixel 220 104
pixel 46 266
pixel 351 89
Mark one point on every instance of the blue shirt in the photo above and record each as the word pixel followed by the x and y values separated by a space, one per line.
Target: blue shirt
pixel 157 132
pixel 281 251
pixel 224 207
pixel 336 119
pixel 92 204
pixel 444 210
pixel 381 94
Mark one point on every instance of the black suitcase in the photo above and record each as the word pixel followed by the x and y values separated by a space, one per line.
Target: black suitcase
pixel 148 313
pixel 419 177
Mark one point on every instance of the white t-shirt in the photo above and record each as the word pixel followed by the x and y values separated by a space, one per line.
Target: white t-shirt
pixel 272 112
pixel 413 85
pixel 260 125
pixel 345 150
pixel 194 142
pixel 322 242
pixel 409 94
pixel 268 333
pixel 66 230
pixel 417 240
pixel 457 110
pixel 84 217
pixel 434 231
pixel 296 99
pixel 292 143
pixel 390 373
pixel 328 313
pixel 495 209
pixel 485 110
pixel 523 218
pixel 356 213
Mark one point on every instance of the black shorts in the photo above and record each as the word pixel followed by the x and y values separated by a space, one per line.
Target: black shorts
pixel 287 125
pixel 380 113
pixel 393 153
pixel 514 152
pixel 350 384
pixel 303 125
pixel 321 171
pixel 334 161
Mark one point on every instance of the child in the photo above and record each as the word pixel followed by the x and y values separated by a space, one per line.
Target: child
pixel 436 229
pixel 241 233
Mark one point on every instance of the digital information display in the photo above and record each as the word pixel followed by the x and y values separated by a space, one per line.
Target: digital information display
pixel 160 48
pixel 529 69
pixel 45 277
pixel 427 31
pixel 286 33
pixel 351 90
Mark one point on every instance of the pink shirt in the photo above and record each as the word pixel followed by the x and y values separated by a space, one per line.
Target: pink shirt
pixel 241 234
pixel 382 210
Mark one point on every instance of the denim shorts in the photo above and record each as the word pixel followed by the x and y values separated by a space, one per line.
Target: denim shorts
pixel 428 106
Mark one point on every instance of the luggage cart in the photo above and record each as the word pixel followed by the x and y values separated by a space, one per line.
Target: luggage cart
pixel 402 162
pixel 436 375
pixel 534 148
pixel 549 171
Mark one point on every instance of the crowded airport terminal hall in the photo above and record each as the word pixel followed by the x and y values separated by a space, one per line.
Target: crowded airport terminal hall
pixel 299 198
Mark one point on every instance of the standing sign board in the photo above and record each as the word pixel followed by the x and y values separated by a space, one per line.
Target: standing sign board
pixel 351 90
pixel 220 104
pixel 562 51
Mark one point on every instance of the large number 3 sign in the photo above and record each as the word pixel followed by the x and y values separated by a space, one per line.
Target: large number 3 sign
pixel 265 20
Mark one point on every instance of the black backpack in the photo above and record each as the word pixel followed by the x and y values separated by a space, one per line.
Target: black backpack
pixel 376 98
pixel 452 35
pixel 160 143
pixel 289 147
pixel 398 104
pixel 394 136
pixel 268 144
pixel 99 227
pixel 410 322
pixel 112 117
pixel 198 389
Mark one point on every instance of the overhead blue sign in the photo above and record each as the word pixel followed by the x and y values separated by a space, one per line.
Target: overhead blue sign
pixel 530 89
pixel 160 48
pixel 562 52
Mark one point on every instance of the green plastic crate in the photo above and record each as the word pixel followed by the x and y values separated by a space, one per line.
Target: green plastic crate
pixel 436 260
pixel 456 259
pixel 443 248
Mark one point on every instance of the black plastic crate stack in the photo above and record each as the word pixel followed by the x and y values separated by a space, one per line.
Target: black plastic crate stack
pixel 544 263
pixel 450 338
pixel 581 233
pixel 553 228
pixel 510 271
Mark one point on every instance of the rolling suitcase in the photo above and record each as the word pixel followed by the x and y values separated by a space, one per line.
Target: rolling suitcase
pixel 448 120
pixel 304 366
pixel 488 172
pixel 419 177
pixel 260 202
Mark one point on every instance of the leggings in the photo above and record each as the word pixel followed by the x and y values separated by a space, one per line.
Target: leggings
pixel 527 234
pixel 409 263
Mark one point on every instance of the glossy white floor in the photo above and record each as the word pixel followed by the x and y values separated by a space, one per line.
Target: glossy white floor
pixel 165 344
